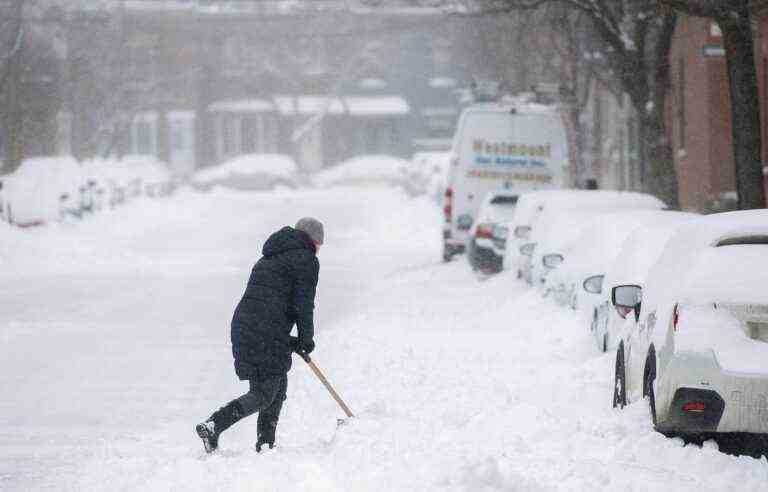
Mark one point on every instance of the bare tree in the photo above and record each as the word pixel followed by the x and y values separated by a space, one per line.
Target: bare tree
pixel 637 35
pixel 10 83
pixel 734 17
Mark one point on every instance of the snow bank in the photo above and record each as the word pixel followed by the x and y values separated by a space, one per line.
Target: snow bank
pixel 253 172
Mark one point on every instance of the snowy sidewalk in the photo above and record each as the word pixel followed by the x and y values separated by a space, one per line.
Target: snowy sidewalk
pixel 115 343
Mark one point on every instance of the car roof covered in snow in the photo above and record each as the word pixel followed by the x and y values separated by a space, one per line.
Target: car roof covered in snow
pixel 600 242
pixel 693 268
pixel 642 248
pixel 534 203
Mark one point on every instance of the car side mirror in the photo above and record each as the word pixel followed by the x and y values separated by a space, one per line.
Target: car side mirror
pixel 627 298
pixel 594 284
pixel 464 222
pixel 500 232
pixel 552 261
pixel 522 232
pixel 527 249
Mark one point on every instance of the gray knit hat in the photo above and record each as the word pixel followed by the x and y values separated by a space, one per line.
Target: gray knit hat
pixel 313 227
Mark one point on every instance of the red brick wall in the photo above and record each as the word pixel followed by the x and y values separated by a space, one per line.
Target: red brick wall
pixel 703 159
pixel 706 168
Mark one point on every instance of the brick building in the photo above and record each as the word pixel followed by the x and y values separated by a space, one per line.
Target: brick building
pixel 699 113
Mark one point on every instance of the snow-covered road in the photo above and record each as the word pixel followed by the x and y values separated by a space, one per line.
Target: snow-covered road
pixel 115 342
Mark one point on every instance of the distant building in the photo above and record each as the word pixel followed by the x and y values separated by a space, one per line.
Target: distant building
pixel 610 141
pixel 200 85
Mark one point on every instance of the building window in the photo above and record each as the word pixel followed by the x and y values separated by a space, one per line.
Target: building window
pixel 681 102
pixel 144 134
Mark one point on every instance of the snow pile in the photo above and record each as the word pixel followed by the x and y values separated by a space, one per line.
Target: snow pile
pixel 371 170
pixel 249 172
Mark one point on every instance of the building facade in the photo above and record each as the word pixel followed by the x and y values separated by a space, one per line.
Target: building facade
pixel 699 113
pixel 195 87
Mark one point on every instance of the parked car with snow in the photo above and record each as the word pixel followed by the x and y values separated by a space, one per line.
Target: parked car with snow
pixel 590 255
pixel 43 189
pixel 497 147
pixel 488 236
pixel 630 266
pixel 557 229
pixel 538 210
pixel 249 172
pixel 369 170
pixel 699 346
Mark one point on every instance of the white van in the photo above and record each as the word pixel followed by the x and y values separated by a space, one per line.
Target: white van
pixel 500 147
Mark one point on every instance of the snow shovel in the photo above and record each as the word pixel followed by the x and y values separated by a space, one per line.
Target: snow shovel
pixel 330 389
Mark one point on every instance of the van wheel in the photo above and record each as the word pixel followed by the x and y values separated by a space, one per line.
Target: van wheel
pixel 620 380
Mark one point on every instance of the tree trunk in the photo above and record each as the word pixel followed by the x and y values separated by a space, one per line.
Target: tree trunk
pixel 745 109
pixel 13 115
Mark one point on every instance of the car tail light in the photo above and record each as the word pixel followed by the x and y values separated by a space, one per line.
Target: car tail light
pixel 675 317
pixel 448 207
pixel 694 407
pixel 623 311
pixel 484 230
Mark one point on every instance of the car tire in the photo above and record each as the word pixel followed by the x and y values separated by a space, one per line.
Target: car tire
pixel 620 380
pixel 649 380
pixel 447 254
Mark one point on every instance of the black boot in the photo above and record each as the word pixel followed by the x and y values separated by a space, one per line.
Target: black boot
pixel 266 428
pixel 221 420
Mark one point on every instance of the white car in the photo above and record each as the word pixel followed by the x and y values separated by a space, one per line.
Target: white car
pixel 557 229
pixel 591 254
pixel 488 236
pixel 630 267
pixel 699 348
pixel 536 209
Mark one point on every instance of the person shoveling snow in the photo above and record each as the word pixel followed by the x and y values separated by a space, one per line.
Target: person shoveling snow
pixel 280 292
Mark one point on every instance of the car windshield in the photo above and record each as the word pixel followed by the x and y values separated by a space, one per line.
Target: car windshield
pixel 504 200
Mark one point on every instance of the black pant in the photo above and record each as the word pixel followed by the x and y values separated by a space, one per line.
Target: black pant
pixel 265 396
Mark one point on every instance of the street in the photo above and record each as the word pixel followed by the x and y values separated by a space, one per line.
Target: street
pixel 115 343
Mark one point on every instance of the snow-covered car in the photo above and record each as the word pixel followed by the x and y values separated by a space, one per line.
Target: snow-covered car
pixel 371 171
pixel 538 208
pixel 488 236
pixel 699 346
pixel 638 253
pixel 557 229
pixel 249 172
pixel 43 189
pixel 590 255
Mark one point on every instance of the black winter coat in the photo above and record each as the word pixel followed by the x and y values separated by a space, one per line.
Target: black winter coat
pixel 280 292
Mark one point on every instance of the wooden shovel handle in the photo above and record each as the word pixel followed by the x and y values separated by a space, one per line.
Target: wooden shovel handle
pixel 327 385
